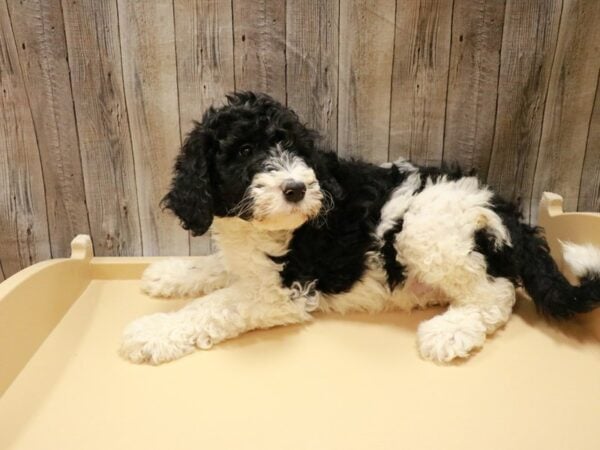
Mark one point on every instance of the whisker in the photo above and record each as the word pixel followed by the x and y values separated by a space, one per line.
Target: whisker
pixel 244 206
pixel 327 205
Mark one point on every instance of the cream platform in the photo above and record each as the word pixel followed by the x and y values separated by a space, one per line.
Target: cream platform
pixel 352 382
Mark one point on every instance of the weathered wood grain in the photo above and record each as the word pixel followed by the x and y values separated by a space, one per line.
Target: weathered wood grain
pixel 24 236
pixel 365 71
pixel 522 86
pixel 506 86
pixel 312 64
pixel 589 187
pixel 92 31
pixel 569 104
pixel 473 82
pixel 259 46
pixel 150 77
pixel 40 37
pixel 420 80
pixel 204 42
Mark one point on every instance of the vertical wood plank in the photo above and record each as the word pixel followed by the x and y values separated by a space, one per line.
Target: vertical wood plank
pixel 92 31
pixel 259 46
pixel 473 82
pixel 569 104
pixel 420 80
pixel 365 70
pixel 528 45
pixel 40 37
pixel 23 223
pixel 589 187
pixel 204 42
pixel 150 78
pixel 312 64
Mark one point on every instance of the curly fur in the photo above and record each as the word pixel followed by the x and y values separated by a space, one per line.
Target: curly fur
pixel 359 238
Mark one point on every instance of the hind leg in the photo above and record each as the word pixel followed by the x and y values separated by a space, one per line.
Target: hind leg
pixel 469 319
pixel 439 246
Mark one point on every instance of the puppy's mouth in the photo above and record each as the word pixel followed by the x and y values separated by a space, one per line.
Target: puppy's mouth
pixel 279 213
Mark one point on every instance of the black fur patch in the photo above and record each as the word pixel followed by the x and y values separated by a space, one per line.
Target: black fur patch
pixel 394 270
pixel 334 253
pixel 500 261
pixel 452 173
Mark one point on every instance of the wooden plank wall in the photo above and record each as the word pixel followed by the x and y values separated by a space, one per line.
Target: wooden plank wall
pixel 98 95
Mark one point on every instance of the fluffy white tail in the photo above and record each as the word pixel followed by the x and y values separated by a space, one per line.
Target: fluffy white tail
pixel 583 260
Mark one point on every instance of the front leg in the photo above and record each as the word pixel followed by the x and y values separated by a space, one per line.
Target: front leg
pixel 221 315
pixel 184 277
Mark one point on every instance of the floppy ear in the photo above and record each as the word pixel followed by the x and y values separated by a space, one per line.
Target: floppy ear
pixel 191 193
pixel 331 185
pixel 324 164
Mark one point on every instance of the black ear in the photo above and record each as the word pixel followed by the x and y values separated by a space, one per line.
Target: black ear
pixel 330 184
pixel 324 164
pixel 191 193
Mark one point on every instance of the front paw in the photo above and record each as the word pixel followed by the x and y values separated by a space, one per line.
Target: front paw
pixel 172 278
pixel 157 338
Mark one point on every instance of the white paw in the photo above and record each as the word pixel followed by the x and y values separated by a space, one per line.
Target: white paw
pixel 163 337
pixel 451 335
pixel 172 278
pixel 158 338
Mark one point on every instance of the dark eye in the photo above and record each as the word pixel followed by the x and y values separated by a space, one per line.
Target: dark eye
pixel 245 150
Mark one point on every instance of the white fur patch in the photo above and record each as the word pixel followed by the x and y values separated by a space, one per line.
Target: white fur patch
pixel 583 260
pixel 174 278
pixel 270 209
pixel 157 338
pixel 404 165
pixel 305 295
pixel 463 328
pixel 436 242
pixel 396 206
pixel 453 334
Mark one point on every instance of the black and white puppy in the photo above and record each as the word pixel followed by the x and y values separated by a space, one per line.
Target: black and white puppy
pixel 300 230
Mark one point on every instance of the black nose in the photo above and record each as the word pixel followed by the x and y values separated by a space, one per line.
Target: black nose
pixel 293 190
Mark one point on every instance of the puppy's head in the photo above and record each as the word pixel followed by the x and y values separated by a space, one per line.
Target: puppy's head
pixel 252 159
